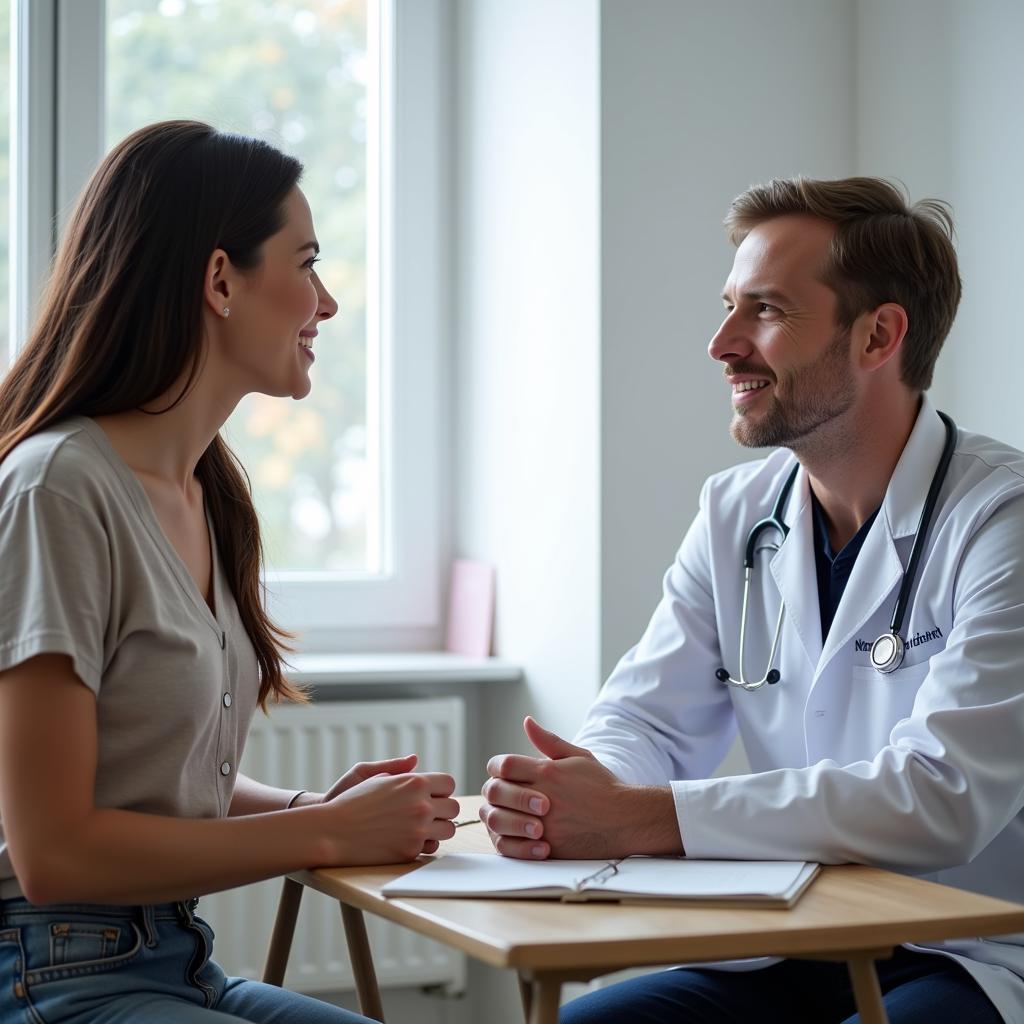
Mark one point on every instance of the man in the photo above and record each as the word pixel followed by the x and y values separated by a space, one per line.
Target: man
pixel 838 302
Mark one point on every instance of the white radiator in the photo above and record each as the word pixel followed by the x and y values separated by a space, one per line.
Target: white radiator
pixel 310 747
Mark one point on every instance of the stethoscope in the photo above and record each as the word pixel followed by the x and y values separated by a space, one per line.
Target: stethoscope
pixel 888 650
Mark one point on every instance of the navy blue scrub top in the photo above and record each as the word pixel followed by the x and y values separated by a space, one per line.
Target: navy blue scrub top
pixel 833 570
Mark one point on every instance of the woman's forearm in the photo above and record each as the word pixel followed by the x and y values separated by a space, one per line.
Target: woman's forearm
pixel 112 856
pixel 253 797
pixel 125 857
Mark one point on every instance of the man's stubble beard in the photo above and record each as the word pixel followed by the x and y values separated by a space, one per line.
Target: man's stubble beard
pixel 819 395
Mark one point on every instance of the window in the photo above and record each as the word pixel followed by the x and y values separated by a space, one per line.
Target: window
pixel 302 74
pixel 347 481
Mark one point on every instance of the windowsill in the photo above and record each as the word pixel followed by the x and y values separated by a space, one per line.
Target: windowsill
pixel 421 667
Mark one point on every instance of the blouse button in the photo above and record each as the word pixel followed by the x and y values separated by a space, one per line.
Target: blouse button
pixel 225 768
pixel 227 700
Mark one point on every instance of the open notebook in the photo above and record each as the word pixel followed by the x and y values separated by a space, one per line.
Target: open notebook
pixel 768 883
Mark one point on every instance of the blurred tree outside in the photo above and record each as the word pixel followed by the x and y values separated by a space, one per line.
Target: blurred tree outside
pixel 294 73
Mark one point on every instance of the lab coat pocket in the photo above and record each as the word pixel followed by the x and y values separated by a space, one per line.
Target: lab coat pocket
pixel 877 702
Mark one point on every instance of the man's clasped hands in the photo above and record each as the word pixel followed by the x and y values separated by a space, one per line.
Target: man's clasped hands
pixel 566 804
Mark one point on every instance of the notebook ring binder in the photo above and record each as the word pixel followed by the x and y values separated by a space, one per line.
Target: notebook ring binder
pixel 601 875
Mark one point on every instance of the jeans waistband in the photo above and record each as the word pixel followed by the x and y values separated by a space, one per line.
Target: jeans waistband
pixel 19 910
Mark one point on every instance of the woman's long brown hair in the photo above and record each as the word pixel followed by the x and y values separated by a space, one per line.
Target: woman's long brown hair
pixel 120 320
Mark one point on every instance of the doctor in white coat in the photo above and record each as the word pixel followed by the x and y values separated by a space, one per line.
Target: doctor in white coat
pixel 837 305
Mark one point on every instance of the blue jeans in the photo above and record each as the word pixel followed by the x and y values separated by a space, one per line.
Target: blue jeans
pixel 918 988
pixel 85 964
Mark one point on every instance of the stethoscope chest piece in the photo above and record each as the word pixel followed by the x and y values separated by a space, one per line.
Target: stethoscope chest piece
pixel 887 653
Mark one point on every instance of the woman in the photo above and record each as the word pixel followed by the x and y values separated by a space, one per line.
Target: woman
pixel 133 643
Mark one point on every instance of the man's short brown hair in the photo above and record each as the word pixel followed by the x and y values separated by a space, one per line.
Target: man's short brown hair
pixel 883 250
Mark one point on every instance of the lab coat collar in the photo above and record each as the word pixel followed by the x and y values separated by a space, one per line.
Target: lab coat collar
pixel 904 498
pixel 794 571
pixel 879 568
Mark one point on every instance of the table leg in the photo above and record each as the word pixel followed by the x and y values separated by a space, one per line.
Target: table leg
pixel 540 994
pixel 526 995
pixel 362 963
pixel 284 929
pixel 866 991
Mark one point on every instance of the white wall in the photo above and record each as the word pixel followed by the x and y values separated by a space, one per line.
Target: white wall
pixel 939 105
pixel 526 366
pixel 527 342
pixel 698 102
pixel 987 136
pixel 904 97
pixel 987 149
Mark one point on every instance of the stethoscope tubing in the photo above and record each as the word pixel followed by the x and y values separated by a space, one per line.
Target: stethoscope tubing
pixel 927 513
pixel 767 677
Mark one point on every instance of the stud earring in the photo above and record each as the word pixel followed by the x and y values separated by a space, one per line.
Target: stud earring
pixel 225 311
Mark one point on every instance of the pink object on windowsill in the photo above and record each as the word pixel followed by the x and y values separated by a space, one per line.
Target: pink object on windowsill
pixel 470 609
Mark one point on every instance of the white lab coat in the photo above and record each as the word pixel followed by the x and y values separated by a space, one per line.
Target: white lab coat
pixel 921 771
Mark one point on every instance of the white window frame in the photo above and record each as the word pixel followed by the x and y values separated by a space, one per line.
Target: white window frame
pixel 58 138
pixel 33 35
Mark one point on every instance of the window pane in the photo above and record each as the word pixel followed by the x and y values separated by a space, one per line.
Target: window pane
pixel 5 179
pixel 297 74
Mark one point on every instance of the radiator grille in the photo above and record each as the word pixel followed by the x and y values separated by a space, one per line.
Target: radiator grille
pixel 310 747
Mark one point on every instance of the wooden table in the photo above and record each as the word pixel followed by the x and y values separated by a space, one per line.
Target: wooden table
pixel 852 913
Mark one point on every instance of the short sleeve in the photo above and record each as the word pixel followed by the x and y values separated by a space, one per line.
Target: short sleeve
pixel 55 580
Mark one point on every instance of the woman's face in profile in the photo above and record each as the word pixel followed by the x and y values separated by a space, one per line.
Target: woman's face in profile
pixel 272 329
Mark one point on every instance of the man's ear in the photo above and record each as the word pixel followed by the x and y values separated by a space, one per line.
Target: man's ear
pixel 220 284
pixel 881 332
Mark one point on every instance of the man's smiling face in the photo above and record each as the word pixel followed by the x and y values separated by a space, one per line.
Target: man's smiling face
pixel 787 360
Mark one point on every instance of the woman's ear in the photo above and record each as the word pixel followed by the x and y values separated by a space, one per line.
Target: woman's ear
pixel 220 283
pixel 883 331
